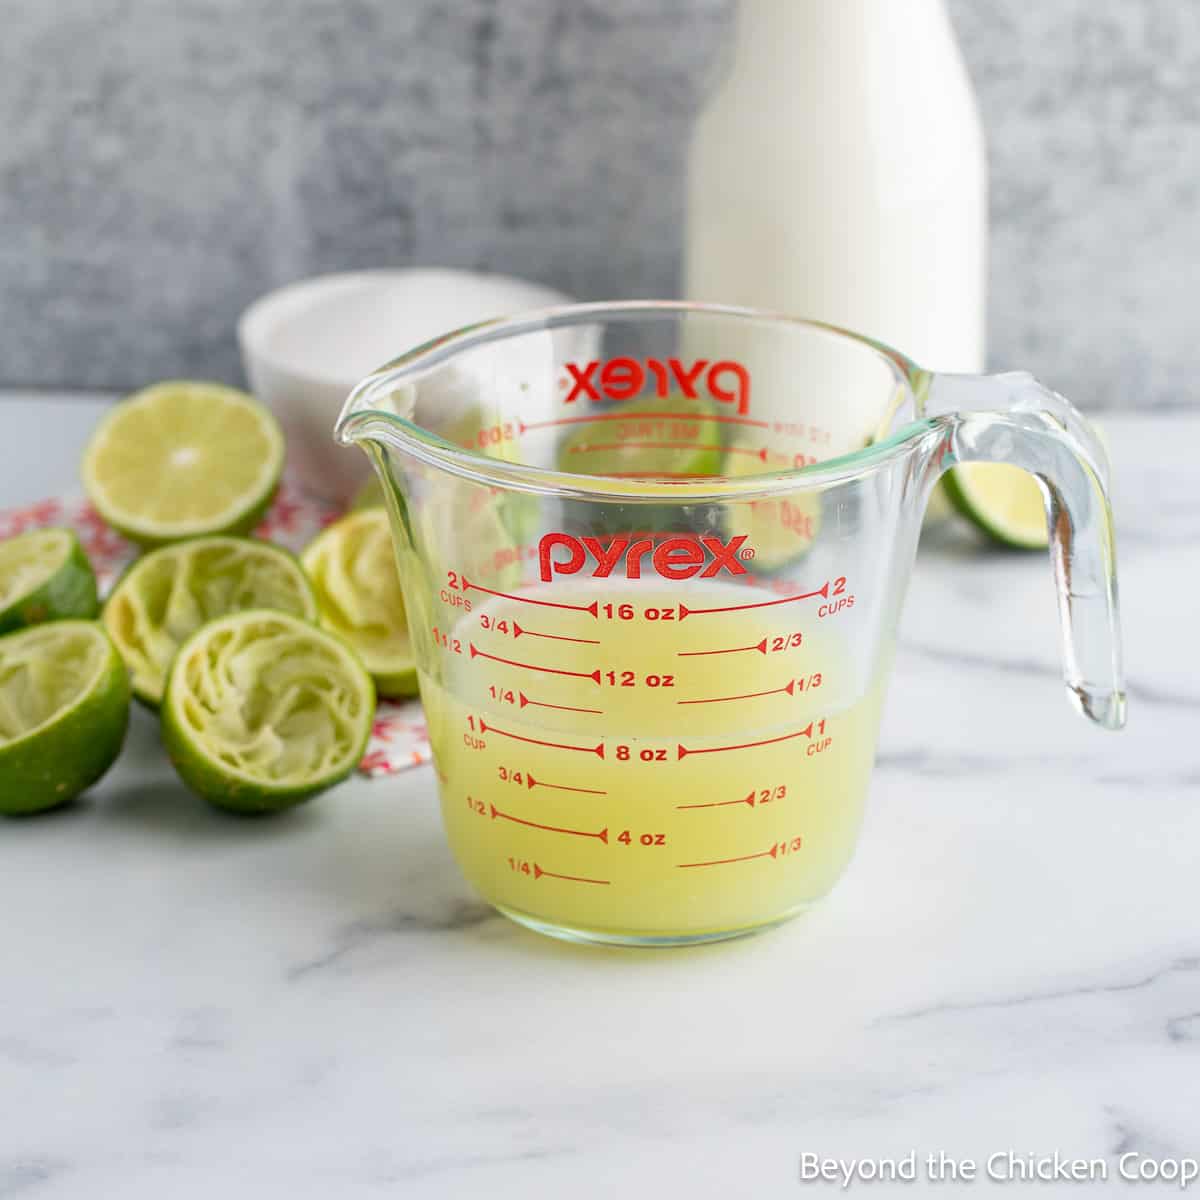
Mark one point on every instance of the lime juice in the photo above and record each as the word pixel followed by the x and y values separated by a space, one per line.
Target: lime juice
pixel 669 769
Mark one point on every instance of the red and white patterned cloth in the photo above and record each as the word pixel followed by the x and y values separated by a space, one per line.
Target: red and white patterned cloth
pixel 399 738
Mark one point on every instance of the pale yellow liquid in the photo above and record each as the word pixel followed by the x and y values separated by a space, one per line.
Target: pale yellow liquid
pixel 632 855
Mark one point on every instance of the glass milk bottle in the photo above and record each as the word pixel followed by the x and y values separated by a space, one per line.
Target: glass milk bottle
pixel 838 173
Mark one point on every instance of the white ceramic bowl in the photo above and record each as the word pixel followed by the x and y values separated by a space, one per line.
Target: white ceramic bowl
pixel 306 345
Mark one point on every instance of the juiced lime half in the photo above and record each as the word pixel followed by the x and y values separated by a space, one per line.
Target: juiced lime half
pixel 44 576
pixel 64 709
pixel 1003 501
pixel 182 459
pixel 353 569
pixel 671 437
pixel 263 710
pixel 166 595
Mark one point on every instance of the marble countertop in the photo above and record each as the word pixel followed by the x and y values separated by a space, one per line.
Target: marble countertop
pixel 319 1006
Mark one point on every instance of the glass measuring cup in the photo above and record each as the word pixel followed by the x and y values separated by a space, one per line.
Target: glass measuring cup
pixel 653 556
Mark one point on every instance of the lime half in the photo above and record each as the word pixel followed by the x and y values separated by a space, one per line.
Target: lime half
pixel 182 459
pixel 64 709
pixel 1003 501
pixel 353 569
pixel 263 710
pixel 672 437
pixel 166 595
pixel 44 576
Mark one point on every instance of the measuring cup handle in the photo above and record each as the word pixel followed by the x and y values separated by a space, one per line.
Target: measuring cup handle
pixel 1014 419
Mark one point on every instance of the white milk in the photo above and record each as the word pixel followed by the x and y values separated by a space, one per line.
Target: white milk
pixel 838 173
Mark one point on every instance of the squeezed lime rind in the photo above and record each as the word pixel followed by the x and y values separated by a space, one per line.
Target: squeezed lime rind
pixel 61 586
pixel 167 594
pixel 251 689
pixel 76 743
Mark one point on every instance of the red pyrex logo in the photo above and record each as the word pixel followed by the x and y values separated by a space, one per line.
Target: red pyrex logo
pixel 672 558
pixel 624 378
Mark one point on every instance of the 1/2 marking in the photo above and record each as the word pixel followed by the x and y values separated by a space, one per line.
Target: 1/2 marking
pixel 497 814
pixel 594 676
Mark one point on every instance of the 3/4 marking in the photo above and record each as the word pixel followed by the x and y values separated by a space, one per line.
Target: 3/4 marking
pixel 519 630
pixel 561 787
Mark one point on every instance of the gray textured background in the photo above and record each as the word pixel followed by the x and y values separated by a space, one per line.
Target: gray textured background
pixel 162 162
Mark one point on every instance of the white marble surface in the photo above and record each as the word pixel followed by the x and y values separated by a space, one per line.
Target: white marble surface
pixel 319 1007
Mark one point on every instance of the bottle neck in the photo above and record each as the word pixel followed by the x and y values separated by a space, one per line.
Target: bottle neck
pixel 787 32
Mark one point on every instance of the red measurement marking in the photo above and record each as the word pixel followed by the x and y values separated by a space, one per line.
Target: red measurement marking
pixel 594 676
pixel 484 727
pixel 561 787
pixel 602 835
pixel 789 687
pixel 662 475
pixel 538 872
pixel 525 700
pixel 592 608
pixel 761 455
pixel 761 647
pixel 720 862
pixel 553 637
pixel 721 803
pixel 823 590
pixel 787 737
pixel 646 416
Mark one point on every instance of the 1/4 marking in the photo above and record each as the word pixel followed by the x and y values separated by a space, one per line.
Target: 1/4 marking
pixel 525 867
pixel 525 700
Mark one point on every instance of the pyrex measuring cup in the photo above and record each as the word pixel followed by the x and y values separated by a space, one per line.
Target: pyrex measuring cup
pixel 653 556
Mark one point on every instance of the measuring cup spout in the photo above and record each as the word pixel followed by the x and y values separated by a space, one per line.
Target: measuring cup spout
pixel 1014 419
